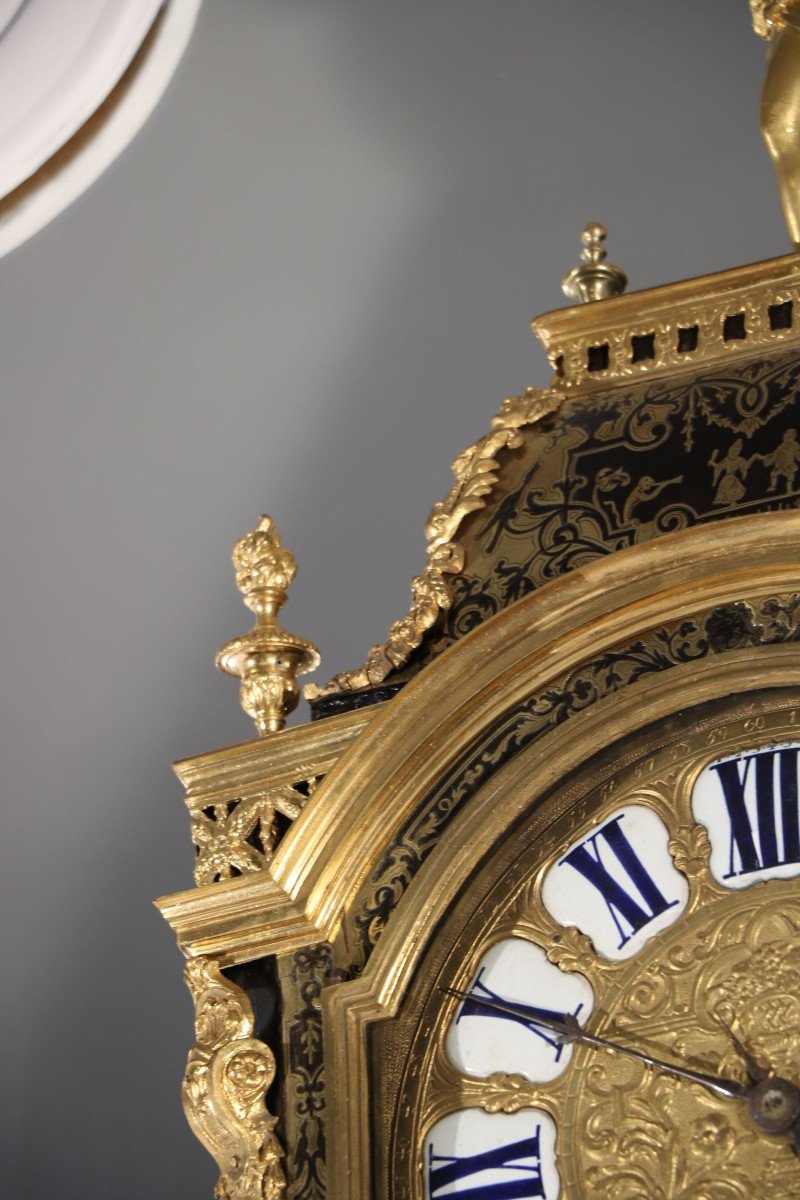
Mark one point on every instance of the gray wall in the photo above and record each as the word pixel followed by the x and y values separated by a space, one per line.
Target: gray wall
pixel 303 289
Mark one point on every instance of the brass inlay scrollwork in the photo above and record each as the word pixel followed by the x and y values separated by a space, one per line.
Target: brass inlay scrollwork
pixel 228 1074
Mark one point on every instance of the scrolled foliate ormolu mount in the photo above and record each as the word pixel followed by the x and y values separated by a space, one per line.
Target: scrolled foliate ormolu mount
pixel 228 1074
pixel 268 659
pixel 476 472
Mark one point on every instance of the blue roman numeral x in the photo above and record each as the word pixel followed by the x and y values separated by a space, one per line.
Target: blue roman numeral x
pixel 526 1015
pixel 522 1156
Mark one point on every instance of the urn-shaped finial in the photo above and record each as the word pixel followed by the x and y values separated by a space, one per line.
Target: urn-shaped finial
pixel 268 659
pixel 594 279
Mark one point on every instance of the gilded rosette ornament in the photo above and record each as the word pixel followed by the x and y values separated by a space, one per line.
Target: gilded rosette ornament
pixel 268 659
pixel 228 1074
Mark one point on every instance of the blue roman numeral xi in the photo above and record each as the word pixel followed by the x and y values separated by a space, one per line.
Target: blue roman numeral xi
pixel 630 910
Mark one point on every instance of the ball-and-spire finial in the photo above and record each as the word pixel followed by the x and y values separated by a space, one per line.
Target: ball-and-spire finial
pixel 594 279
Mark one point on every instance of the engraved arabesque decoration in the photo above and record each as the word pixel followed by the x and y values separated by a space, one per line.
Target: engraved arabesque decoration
pixel 303 977
pixel 590 477
pixel 607 473
pixel 646 1134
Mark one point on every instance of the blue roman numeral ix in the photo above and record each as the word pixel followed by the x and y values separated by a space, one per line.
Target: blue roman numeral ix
pixel 777 814
pixel 526 1016
pixel 522 1157
pixel 629 912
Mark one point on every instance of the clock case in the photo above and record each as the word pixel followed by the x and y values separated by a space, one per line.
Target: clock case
pixel 618 558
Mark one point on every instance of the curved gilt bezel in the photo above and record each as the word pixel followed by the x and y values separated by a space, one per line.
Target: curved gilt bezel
pixel 662 782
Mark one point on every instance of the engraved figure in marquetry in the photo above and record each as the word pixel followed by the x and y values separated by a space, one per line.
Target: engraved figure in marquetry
pixel 608 481
pixel 729 474
pixel 646 489
pixel 784 461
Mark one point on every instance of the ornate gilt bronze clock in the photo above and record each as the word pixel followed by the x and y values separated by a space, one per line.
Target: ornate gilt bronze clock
pixel 517 914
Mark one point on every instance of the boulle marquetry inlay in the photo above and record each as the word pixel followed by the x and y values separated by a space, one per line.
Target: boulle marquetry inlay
pixel 622 467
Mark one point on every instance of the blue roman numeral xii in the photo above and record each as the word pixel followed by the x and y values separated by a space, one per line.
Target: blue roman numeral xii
pixel 767 832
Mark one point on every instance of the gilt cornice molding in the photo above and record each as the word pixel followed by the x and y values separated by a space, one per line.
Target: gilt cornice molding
pixel 251 766
pixel 693 324
pixel 238 920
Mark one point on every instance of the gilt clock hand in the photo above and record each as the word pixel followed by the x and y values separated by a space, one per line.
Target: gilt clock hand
pixel 569 1030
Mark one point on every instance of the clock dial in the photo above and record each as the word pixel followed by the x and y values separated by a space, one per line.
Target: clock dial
pixel 629 916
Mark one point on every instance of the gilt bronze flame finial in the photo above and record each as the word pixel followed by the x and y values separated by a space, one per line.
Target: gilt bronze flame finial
pixel 594 279
pixel 268 659
pixel 779 21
